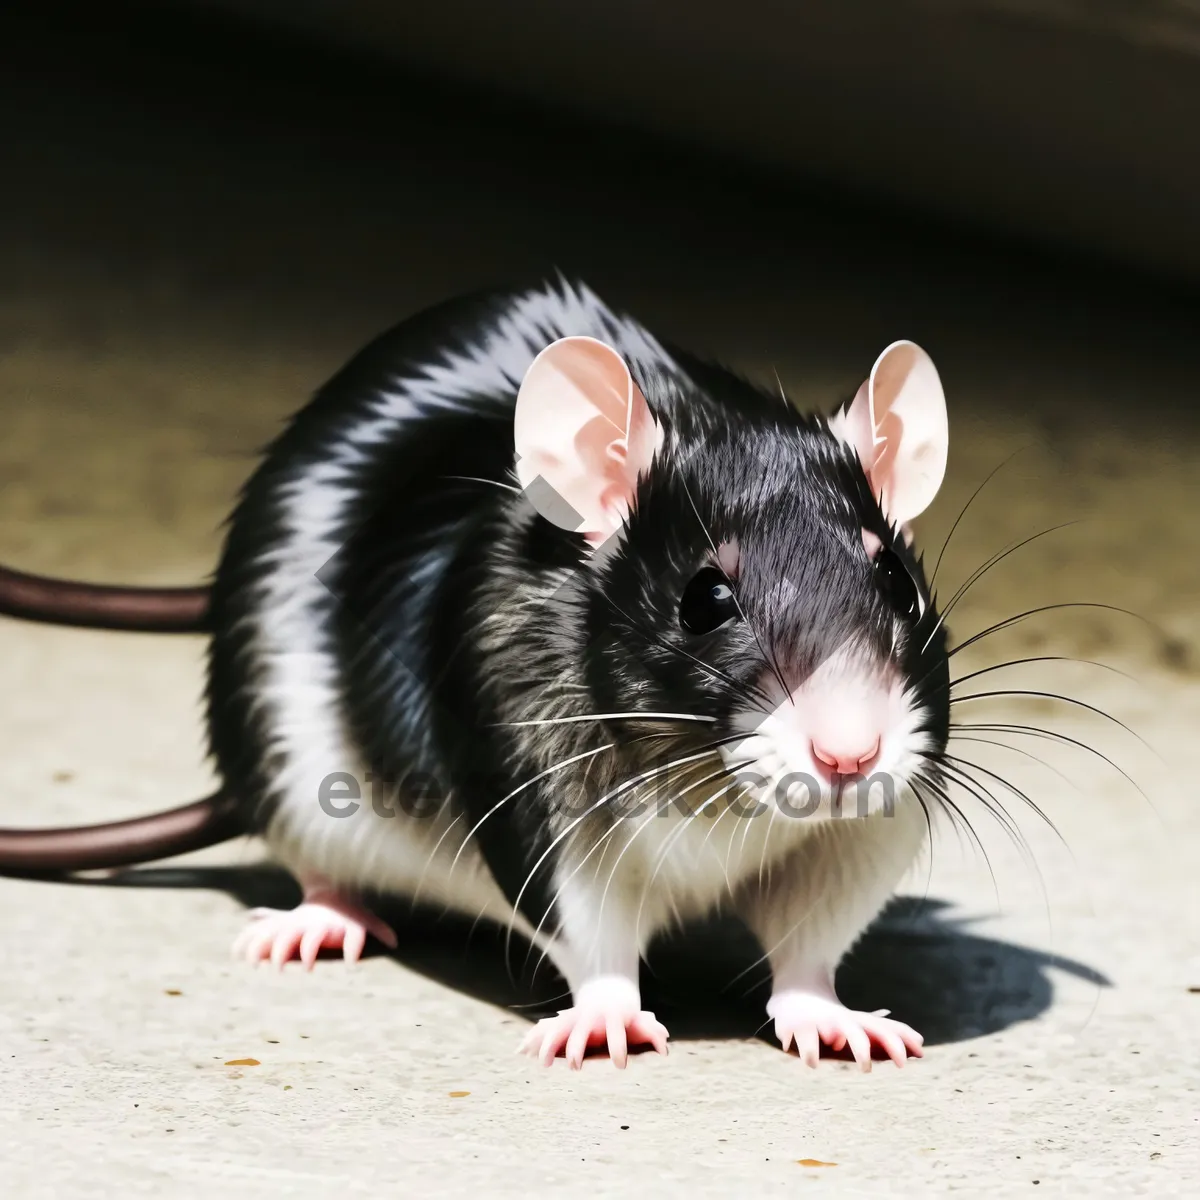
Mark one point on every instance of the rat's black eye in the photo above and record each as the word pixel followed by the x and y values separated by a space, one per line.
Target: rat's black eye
pixel 897 584
pixel 708 602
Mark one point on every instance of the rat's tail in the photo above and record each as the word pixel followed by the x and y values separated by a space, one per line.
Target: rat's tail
pixel 203 823
pixel 99 606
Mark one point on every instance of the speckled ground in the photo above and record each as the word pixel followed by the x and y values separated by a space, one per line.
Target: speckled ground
pixel 173 285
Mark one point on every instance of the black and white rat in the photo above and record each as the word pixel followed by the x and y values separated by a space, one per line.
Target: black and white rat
pixel 532 616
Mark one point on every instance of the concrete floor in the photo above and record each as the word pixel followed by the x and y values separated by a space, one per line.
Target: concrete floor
pixel 175 283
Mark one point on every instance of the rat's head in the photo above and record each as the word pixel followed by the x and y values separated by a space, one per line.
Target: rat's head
pixel 752 568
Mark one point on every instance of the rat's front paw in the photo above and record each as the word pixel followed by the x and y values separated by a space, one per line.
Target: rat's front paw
pixel 608 1011
pixel 809 1020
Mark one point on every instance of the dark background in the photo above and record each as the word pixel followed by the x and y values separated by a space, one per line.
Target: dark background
pixel 1070 121
pixel 847 168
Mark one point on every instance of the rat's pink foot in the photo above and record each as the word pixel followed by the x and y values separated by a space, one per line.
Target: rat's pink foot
pixel 325 921
pixel 608 1011
pixel 810 1020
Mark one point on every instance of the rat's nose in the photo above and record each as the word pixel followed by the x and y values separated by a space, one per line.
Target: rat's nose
pixel 834 758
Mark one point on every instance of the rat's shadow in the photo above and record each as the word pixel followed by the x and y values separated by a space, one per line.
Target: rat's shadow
pixel 917 960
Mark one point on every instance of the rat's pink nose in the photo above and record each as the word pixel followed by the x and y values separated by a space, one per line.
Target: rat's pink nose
pixel 839 759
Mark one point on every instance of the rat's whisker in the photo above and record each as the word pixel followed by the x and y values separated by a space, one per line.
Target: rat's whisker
pixel 430 858
pixel 676 834
pixel 929 839
pixel 1037 658
pixel 1018 618
pixel 957 520
pixel 720 816
pixel 982 741
pixel 766 954
pixel 604 838
pixel 621 716
pixel 655 812
pixel 1009 786
pixel 508 487
pixel 1033 807
pixel 779 384
pixel 1028 693
pixel 992 804
pixel 540 1003
pixel 707 752
pixel 1008 622
pixel 959 819
pixel 762 858
pixel 981 571
pixel 559 766
pixel 1052 735
pixel 996 809
pixel 674 837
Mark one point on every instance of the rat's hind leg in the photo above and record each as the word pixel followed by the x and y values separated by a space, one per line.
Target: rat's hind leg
pixel 397 850
pixel 326 919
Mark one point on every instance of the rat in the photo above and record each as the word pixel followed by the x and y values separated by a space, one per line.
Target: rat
pixel 536 617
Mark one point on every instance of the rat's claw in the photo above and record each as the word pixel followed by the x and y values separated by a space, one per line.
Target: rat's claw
pixel 810 1020
pixel 286 941
pixel 577 1045
pixel 255 942
pixel 645 1028
pixel 859 1043
pixel 808 1043
pixel 353 943
pixel 310 945
pixel 618 1044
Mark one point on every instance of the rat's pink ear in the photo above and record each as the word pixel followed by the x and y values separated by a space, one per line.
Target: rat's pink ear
pixel 897 425
pixel 583 434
